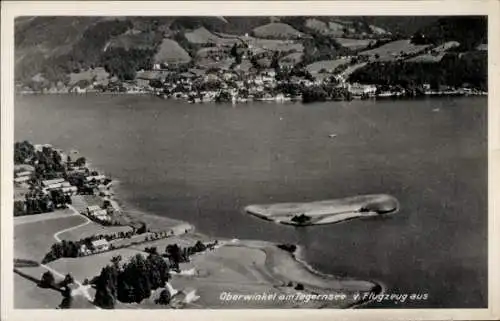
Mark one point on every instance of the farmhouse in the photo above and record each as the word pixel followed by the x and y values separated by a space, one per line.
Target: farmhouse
pixel 69 190
pixel 39 147
pixel 51 182
pixel 100 245
pixel 91 209
pixel 25 173
pixel 22 179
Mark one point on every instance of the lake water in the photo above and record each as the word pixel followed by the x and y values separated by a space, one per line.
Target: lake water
pixel 204 163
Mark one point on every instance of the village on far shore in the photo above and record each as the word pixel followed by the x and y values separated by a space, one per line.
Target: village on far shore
pixel 296 59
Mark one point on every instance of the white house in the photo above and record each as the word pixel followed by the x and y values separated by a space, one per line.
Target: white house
pixel 52 182
pixel 39 147
pixel 91 209
pixel 22 179
pixel 100 213
pixel 100 245
pixel 84 250
pixel 70 190
pixel 25 173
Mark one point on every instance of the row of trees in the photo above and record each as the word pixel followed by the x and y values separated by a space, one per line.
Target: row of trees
pixel 324 93
pixel 72 248
pixel 177 255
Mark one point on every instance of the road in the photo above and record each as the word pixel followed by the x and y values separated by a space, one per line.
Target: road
pixel 82 290
pixel 87 221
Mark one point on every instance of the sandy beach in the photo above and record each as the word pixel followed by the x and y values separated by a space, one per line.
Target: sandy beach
pixel 326 212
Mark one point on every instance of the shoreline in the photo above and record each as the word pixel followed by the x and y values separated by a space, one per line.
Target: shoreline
pixel 297 256
pixel 280 267
pixel 430 95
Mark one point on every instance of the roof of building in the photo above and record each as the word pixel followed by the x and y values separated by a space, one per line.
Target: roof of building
pixel 92 208
pixel 25 173
pixel 23 167
pixel 100 242
pixel 52 181
pixel 96 177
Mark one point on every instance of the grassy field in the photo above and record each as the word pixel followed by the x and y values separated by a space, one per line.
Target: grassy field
pixel 346 73
pixel 392 50
pixel 203 36
pixel 277 30
pixel 249 267
pixel 35 273
pixel 92 229
pixel 33 240
pixel 329 65
pixel 291 59
pixel 136 40
pixel 27 295
pixel 427 58
pixel 261 45
pixel 354 44
pixel 97 74
pixel 43 217
pixel 317 25
pixel 224 64
pixel 90 266
pixel 171 52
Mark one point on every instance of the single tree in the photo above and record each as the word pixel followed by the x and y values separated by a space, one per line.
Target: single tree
pixel 48 280
pixel 164 297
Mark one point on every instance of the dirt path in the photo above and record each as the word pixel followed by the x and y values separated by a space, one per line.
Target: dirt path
pixel 56 235
pixel 82 289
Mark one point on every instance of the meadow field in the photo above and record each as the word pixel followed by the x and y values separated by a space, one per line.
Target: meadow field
pixel 33 240
pixel 390 51
pixel 328 65
pixel 27 295
pixel 90 266
pixel 92 229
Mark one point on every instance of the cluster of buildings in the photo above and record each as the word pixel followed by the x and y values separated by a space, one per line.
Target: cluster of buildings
pixel 59 184
pixel 97 213
pixel 100 245
pixel 23 176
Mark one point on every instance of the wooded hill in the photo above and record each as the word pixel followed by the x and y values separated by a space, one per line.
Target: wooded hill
pixel 50 48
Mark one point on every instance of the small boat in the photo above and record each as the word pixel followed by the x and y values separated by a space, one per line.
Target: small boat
pixel 332 135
